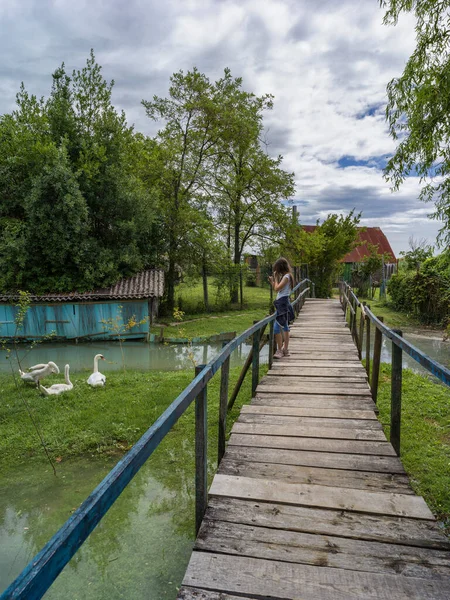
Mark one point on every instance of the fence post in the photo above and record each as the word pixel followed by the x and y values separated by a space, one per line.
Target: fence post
pixel 271 340
pixel 313 290
pixel 354 330
pixel 368 346
pixel 255 360
pixel 361 331
pixel 376 361
pixel 396 394
pixel 223 404
pixel 201 459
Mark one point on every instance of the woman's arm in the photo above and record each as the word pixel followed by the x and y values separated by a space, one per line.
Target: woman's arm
pixel 277 286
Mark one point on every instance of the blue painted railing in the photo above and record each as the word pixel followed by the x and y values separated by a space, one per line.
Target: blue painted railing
pixel 45 567
pixel 350 301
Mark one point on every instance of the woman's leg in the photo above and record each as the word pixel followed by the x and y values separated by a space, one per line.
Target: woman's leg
pixel 286 342
pixel 279 340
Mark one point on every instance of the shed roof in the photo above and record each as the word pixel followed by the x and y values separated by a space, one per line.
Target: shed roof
pixel 367 235
pixel 146 284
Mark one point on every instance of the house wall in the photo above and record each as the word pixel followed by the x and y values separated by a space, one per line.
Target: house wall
pixel 78 321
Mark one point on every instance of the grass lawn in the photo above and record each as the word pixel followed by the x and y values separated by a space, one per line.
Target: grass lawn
pixel 96 421
pixel 197 322
pixel 425 436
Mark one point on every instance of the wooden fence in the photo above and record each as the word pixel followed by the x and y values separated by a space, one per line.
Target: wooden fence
pixel 40 573
pixel 351 304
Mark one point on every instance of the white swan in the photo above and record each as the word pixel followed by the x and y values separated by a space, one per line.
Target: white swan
pixel 58 388
pixel 97 379
pixel 38 372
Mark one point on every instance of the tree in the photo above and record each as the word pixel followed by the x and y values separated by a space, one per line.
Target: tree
pixel 323 248
pixel 76 212
pixel 418 110
pixel 184 142
pixel 247 185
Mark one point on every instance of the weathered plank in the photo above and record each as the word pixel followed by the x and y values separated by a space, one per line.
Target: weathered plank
pixel 292 377
pixel 324 422
pixel 318 388
pixel 189 593
pixel 329 460
pixel 309 400
pixel 321 550
pixel 314 411
pixel 285 368
pixel 340 433
pixel 359 480
pixel 324 364
pixel 395 530
pixel 320 496
pixel 313 444
pixel 280 580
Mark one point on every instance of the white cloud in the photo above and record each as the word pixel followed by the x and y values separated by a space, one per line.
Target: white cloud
pixel 327 63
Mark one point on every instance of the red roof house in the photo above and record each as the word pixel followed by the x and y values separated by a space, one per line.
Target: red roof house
pixel 367 235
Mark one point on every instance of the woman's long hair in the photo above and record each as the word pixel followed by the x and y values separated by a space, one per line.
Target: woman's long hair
pixel 282 268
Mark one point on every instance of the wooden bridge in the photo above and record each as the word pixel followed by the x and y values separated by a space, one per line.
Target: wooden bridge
pixel 310 500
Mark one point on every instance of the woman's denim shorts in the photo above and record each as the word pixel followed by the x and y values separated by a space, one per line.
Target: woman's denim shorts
pixel 277 327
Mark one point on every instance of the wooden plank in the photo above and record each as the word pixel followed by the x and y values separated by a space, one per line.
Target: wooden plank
pixel 308 458
pixel 321 422
pixel 313 411
pixel 318 388
pixel 189 593
pixel 311 401
pixel 351 373
pixel 358 480
pixel 328 551
pixel 280 580
pixel 320 496
pixel 322 354
pixel 312 444
pixel 290 378
pixel 395 530
pixel 291 361
pixel 336 433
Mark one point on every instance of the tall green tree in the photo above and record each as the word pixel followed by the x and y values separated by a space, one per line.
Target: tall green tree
pixel 418 109
pixel 323 248
pixel 188 135
pixel 247 186
pixel 73 192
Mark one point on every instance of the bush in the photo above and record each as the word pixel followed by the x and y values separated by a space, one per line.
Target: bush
pixel 424 292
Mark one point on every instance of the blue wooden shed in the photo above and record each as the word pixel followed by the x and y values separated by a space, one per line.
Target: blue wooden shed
pixel 89 315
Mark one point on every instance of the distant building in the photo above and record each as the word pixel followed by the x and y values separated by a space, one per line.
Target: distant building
pixel 83 316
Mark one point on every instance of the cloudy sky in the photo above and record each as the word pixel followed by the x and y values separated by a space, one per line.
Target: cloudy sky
pixel 327 62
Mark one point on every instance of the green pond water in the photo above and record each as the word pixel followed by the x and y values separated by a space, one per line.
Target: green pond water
pixel 139 550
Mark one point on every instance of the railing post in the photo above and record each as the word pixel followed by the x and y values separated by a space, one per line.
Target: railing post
pixel 255 360
pixel 376 361
pixel 353 329
pixel 396 394
pixel 271 341
pixel 361 330
pixel 223 403
pixel 201 457
pixel 313 290
pixel 367 346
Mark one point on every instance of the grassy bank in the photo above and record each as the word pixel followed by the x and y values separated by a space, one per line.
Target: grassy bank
pixel 99 421
pixel 425 436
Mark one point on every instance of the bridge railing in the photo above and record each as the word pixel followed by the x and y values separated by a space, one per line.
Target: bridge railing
pixel 350 302
pixel 45 567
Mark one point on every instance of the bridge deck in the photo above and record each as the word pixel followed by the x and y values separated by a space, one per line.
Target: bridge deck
pixel 310 500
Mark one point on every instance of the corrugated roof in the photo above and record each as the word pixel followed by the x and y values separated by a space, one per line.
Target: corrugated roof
pixel 147 284
pixel 367 235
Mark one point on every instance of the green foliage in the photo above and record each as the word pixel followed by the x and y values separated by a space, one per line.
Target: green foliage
pixel 76 212
pixel 418 106
pixel 371 267
pixel 323 248
pixel 424 292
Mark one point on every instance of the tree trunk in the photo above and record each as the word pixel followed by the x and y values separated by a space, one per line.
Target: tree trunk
pixel 237 261
pixel 205 285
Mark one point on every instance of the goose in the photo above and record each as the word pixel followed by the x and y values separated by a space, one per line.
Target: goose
pixel 58 388
pixel 38 372
pixel 97 379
